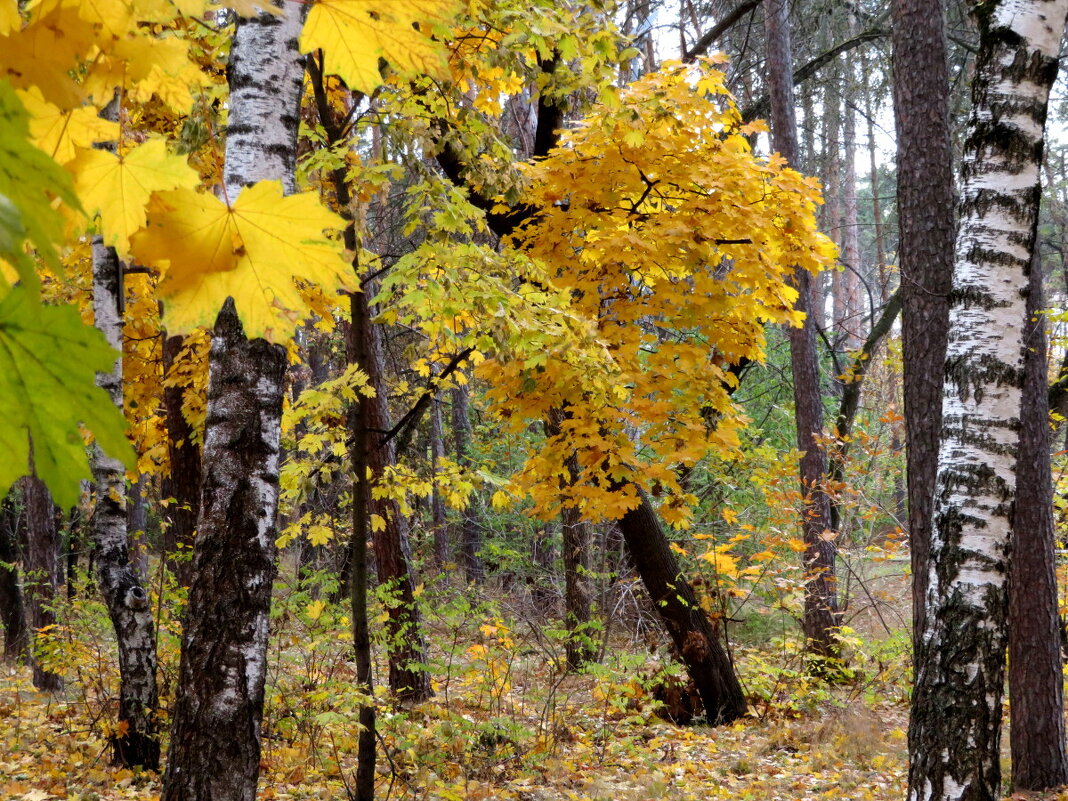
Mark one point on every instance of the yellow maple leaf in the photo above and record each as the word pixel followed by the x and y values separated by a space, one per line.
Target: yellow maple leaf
pixel 355 34
pixel 59 133
pixel 119 187
pixel 9 16
pixel 253 251
pixel 315 609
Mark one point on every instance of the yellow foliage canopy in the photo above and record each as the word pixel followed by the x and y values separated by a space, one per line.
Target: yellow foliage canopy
pixel 678 242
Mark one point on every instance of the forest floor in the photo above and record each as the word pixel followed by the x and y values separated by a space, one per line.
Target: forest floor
pixel 505 723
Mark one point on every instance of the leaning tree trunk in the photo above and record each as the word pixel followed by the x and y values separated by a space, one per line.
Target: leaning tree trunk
pixel 821 599
pixel 136 741
pixel 955 727
pixel 696 640
pixel 215 735
pixel 1036 676
pixel 42 583
pixel 12 602
pixel 926 214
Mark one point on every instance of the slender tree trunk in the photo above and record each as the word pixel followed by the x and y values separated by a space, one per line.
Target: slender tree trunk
pixel 215 735
pixel 470 536
pixel 926 216
pixel 697 642
pixel 578 595
pixel 12 603
pixel 136 525
pixel 955 728
pixel 406 645
pixel 41 580
pixel 853 322
pixel 437 503
pixel 358 584
pixel 1036 676
pixel 125 596
pixel 183 480
pixel 821 603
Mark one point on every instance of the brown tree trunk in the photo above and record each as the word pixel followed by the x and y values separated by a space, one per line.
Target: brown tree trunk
pixel 12 603
pixel 469 535
pixel 408 679
pixel 696 640
pixel 926 217
pixel 42 539
pixel 821 602
pixel 580 648
pixel 1036 677
pixel 183 481
pixel 437 503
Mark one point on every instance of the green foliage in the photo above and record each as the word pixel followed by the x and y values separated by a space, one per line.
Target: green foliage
pixel 48 361
pixel 29 180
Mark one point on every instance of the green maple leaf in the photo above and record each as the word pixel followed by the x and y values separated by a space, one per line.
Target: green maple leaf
pixel 48 364
pixel 29 179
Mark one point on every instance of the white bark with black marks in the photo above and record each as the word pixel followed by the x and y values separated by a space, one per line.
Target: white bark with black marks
pixel 120 583
pixel 955 730
pixel 215 737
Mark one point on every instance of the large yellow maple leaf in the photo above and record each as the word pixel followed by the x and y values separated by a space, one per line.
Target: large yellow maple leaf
pixel 355 34
pixel 119 187
pixel 254 250
pixel 60 133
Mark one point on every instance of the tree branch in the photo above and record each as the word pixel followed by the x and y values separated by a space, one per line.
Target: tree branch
pixel 702 45
pixel 759 108
pixel 406 425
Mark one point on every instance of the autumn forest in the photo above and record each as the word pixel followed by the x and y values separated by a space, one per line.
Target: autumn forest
pixel 609 400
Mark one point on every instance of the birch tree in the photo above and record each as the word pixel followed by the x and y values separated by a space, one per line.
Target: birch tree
pixel 137 742
pixel 215 737
pixel 955 727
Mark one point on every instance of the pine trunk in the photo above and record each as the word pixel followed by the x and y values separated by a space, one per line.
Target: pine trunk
pixel 821 602
pixel 695 639
pixel 137 741
pixel 1036 675
pixel 955 728
pixel 926 215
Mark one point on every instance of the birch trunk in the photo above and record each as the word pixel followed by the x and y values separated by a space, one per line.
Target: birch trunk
pixel 215 737
pixel 955 728
pixel 137 742
pixel 821 603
